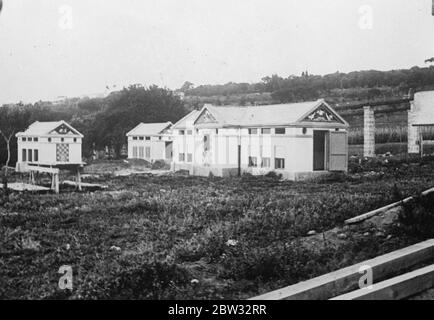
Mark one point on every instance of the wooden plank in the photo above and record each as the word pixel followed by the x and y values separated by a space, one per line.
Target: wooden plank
pixel 347 279
pixel 375 212
pixel 43 169
pixel 24 187
pixel 83 184
pixel 397 288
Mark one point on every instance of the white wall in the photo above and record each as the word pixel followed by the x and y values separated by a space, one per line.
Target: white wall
pixel 294 146
pixel 47 150
pixel 157 148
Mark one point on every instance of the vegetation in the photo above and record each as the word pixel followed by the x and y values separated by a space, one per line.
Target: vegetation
pixel 190 237
pixel 359 85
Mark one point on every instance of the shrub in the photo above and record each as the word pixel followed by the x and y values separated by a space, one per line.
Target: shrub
pixel 147 280
pixel 417 217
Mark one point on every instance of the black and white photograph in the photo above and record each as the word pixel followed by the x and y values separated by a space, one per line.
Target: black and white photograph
pixel 227 152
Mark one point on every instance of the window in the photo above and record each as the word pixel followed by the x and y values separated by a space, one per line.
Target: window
pixel 189 157
pixel 134 138
pixel 304 130
pixel 29 139
pixel 253 162
pixel 266 131
pixel 49 139
pixel 36 155
pixel 181 157
pixel 35 139
pixel 280 130
pixel 279 163
pixel 253 131
pixel 148 138
pixel 24 139
pixel 189 132
pixel 29 153
pixel 216 131
pixel 140 138
pixel 134 152
pixel 265 163
pixel 24 155
pixel 148 152
pixel 62 139
pixel 181 132
pixel 141 152
pixel 75 139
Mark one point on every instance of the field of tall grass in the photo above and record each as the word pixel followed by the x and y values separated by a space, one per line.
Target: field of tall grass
pixel 180 237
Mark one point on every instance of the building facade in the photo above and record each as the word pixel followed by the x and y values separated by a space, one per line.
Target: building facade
pixel 49 144
pixel 151 142
pixel 421 122
pixel 296 140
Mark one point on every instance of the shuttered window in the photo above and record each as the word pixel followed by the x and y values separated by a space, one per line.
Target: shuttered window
pixel 265 163
pixel 279 163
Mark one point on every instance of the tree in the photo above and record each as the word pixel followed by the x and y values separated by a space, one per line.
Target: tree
pixel 7 138
pixel 9 116
pixel 131 106
pixel 430 60
pixel 186 86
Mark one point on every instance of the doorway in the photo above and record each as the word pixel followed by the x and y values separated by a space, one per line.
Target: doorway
pixel 169 150
pixel 319 150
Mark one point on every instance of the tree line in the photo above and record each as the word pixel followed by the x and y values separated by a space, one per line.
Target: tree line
pixel 358 85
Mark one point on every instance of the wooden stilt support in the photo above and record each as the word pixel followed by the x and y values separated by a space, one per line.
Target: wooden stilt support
pixel 79 179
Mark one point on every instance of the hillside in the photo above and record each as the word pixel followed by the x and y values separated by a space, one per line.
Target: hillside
pixel 104 121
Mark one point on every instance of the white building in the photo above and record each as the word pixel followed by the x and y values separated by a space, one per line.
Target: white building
pixel 150 141
pixel 421 122
pixel 49 144
pixel 296 140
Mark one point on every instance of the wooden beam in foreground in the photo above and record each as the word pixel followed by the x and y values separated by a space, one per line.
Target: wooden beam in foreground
pixel 397 288
pixel 375 212
pixel 347 279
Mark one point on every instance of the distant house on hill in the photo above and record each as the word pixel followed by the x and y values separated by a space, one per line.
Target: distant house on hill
pixel 49 144
pixel 296 140
pixel 150 141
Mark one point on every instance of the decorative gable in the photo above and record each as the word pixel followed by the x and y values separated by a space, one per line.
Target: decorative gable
pixel 206 117
pixel 322 114
pixel 64 130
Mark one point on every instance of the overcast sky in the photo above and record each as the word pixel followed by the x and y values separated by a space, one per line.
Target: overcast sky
pixel 51 48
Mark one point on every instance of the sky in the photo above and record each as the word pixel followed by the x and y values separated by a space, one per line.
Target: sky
pixel 54 48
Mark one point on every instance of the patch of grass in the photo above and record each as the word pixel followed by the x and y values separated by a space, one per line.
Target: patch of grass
pixel 149 237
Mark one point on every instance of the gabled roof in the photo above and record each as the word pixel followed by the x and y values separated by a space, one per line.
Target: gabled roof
pixel 187 121
pixel 48 129
pixel 149 129
pixel 270 115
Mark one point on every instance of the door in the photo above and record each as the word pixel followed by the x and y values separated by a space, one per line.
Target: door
pixel 338 151
pixel 169 150
pixel 319 150
pixel 206 150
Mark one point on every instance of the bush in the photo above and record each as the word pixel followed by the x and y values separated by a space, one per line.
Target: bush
pixel 417 218
pixel 148 280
